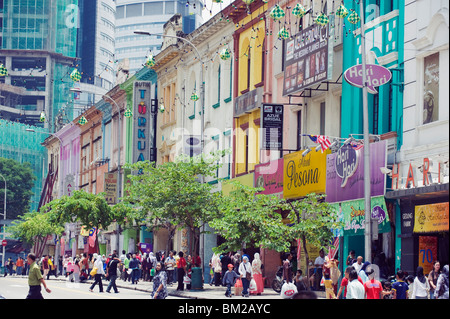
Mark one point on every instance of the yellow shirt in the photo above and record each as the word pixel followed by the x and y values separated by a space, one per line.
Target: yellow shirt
pixel 35 276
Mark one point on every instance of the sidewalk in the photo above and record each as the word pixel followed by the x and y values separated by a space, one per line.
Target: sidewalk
pixel 208 292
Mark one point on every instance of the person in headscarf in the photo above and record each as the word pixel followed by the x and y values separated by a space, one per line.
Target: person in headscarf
pixel 257 275
pixel 421 286
pixel 159 283
pixel 362 272
pixel 98 263
pixel 441 291
pixel 245 271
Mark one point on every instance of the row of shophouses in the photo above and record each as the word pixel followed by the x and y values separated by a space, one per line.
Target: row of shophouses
pixel 246 67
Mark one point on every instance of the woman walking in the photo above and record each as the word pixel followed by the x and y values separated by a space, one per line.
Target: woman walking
pixel 98 264
pixel 433 277
pixel 245 271
pixel 257 275
pixel 159 283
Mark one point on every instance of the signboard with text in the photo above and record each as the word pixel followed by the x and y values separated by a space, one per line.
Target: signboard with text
pixel 142 134
pixel 272 127
pixel 306 59
pixel 110 183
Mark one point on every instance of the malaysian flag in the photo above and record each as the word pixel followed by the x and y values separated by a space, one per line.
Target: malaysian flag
pixel 324 141
pixel 357 145
pixel 333 250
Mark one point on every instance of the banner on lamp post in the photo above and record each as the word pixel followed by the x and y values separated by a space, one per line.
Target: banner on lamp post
pixel 376 75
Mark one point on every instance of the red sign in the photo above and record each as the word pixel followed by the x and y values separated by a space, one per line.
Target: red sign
pixel 4 242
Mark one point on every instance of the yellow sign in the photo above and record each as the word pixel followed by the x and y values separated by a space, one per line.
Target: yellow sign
pixel 431 218
pixel 304 175
pixel 247 180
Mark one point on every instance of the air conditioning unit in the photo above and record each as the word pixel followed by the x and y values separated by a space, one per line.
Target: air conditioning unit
pixel 192 145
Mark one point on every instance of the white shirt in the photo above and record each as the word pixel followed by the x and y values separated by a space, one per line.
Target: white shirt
pixel 319 261
pixel 420 289
pixel 245 267
pixel 355 290
pixel 357 266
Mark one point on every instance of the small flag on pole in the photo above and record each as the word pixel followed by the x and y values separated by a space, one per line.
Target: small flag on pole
pixel 324 141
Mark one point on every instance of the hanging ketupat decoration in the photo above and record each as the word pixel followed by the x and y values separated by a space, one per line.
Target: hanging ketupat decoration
pixel 82 120
pixel 150 62
pixel 283 34
pixel 42 117
pixel 75 75
pixel 194 97
pixel 128 113
pixel 3 70
pixel 225 54
pixel 277 13
pixel 353 17
pixel 321 19
pixel 299 10
pixel 342 11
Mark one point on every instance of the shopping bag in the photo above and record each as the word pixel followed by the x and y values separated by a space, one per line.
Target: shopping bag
pixel 238 287
pixel 252 286
pixel 186 280
pixel 93 271
pixel 288 290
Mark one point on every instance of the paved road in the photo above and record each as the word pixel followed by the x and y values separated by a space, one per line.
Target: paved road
pixel 17 288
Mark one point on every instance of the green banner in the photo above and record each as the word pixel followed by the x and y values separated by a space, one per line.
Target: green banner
pixel 352 213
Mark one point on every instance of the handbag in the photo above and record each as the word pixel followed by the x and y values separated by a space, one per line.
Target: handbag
pixel 186 280
pixel 252 286
pixel 238 287
pixel 93 271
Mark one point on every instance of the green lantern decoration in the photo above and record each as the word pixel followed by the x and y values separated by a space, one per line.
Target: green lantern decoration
pixel 42 117
pixel 299 10
pixel 277 13
pixel 321 19
pixel 128 113
pixel 283 34
pixel 161 107
pixel 342 11
pixel 82 120
pixel 3 70
pixel 75 75
pixel 194 97
pixel 150 62
pixel 225 54
pixel 217 1
pixel 353 17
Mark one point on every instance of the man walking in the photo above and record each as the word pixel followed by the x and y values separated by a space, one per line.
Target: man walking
pixel 35 279
pixel 111 272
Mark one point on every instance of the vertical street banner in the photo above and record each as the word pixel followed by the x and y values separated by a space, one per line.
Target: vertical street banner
pixel 142 134
pixel 306 59
pixel 272 127
pixel 110 188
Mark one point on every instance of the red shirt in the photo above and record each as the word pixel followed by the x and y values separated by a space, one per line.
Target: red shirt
pixel 373 289
pixel 181 262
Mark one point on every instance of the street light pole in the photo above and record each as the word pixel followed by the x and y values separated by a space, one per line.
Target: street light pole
pixel 367 204
pixel 3 228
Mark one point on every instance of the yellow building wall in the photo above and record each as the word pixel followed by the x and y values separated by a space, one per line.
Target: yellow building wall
pixel 251 41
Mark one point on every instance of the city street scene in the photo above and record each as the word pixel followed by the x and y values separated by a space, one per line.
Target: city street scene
pixel 245 151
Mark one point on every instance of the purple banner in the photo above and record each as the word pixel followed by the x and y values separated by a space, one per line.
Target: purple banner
pixel 345 173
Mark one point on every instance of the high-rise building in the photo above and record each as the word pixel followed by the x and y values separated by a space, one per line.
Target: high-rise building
pixel 38 50
pixel 96 52
pixel 149 15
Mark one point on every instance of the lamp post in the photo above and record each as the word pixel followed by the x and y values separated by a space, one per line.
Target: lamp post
pixel 202 86
pixel 367 206
pixel 3 228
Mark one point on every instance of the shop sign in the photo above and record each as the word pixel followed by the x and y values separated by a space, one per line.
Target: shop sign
pixel 427 252
pixel 110 188
pixel 270 177
pixel 431 218
pixel 353 215
pixel 142 109
pixel 303 175
pixel 376 75
pixel 308 59
pixel 345 173
pixel 411 178
pixel 272 127
pixel 247 180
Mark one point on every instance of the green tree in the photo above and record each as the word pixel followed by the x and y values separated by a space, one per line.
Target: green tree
pixel 19 181
pixel 171 196
pixel 91 210
pixel 249 219
pixel 34 228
